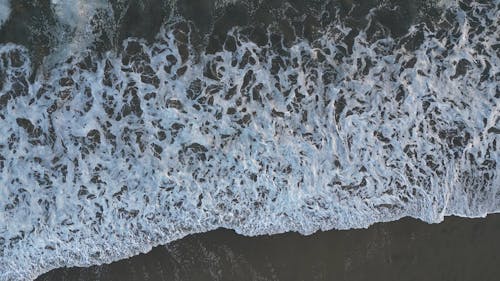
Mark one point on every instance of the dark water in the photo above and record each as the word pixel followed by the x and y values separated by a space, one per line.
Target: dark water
pixel 35 25
pixel 458 249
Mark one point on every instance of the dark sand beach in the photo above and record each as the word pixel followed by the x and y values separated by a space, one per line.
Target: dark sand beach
pixel 408 249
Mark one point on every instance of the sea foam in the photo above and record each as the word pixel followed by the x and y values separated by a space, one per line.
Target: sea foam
pixel 4 11
pixel 104 157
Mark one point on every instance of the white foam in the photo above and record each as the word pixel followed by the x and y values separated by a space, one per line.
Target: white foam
pixel 77 20
pixel 4 11
pixel 88 178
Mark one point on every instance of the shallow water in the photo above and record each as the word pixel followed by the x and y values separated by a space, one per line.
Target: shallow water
pixel 261 117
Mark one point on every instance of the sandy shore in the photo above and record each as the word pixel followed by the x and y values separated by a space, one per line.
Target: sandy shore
pixel 457 249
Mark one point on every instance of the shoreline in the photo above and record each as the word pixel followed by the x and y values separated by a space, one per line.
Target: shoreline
pixel 208 119
pixel 407 249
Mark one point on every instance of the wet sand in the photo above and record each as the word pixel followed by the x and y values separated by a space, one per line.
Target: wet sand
pixel 408 249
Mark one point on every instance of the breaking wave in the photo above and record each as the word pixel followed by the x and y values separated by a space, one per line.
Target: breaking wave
pixel 107 155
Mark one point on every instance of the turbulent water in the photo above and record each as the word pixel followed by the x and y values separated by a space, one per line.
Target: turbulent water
pixel 292 117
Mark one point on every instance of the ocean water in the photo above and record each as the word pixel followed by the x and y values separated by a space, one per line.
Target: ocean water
pixel 119 133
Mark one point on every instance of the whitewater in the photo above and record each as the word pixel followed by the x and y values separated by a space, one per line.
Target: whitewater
pixel 104 156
